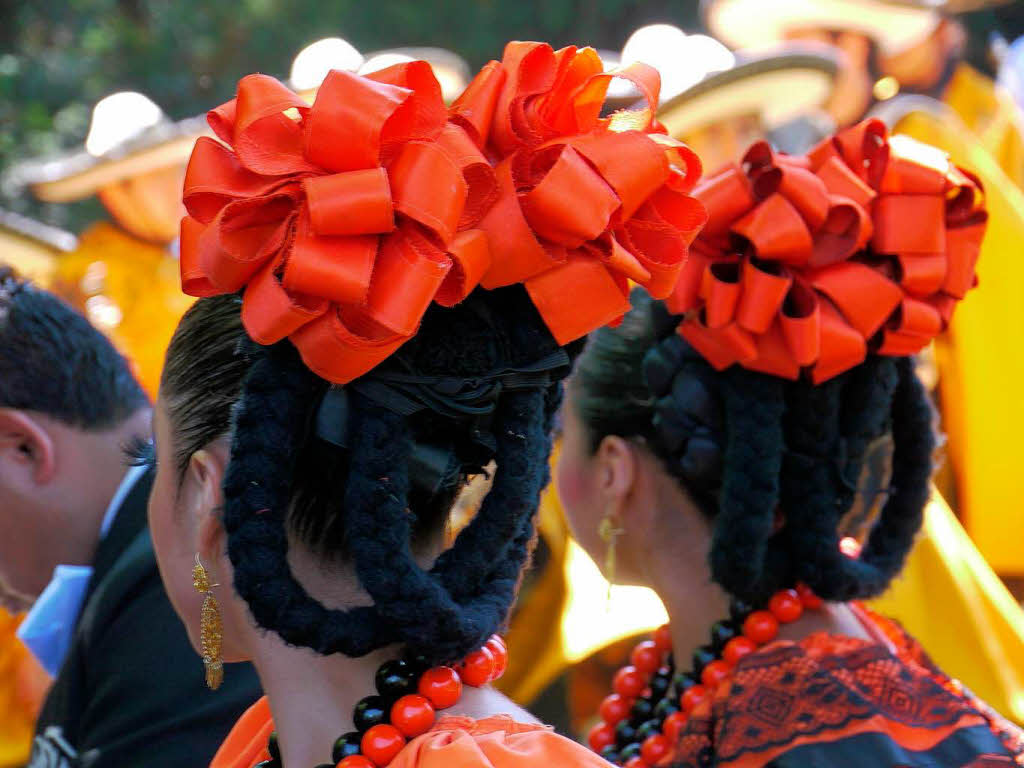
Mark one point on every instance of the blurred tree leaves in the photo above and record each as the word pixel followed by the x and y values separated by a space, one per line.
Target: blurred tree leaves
pixel 58 58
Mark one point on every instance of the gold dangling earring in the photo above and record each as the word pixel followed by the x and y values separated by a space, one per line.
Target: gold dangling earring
pixel 211 628
pixel 609 530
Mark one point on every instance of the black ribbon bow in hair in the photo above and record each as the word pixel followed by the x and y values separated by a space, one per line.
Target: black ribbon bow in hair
pixel 434 464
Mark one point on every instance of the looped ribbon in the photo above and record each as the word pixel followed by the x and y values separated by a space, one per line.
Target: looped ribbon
pixel 342 220
pixel 585 203
pixel 808 263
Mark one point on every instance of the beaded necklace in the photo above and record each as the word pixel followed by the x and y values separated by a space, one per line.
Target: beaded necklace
pixel 644 717
pixel 409 694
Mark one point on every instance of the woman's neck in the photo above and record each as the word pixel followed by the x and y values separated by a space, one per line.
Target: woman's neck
pixel 312 697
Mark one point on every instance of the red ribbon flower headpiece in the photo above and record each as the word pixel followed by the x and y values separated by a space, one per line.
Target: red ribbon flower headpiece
pixel 343 221
pixel 585 203
pixel 866 244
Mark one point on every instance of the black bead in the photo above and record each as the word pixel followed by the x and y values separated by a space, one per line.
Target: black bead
pixel 369 712
pixel 273 747
pixel 659 686
pixel 721 633
pixel 682 682
pixel 650 728
pixel 346 745
pixel 666 707
pixel 325 765
pixel 419 664
pixel 738 611
pixel 701 658
pixel 641 711
pixel 611 754
pixel 625 733
pixel 629 751
pixel 268 764
pixel 395 679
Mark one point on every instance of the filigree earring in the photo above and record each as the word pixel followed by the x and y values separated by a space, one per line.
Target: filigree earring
pixel 211 628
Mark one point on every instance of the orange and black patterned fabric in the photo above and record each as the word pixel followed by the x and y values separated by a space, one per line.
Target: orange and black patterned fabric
pixel 833 701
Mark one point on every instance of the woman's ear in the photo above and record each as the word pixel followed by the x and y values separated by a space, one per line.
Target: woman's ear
pixel 203 499
pixel 615 463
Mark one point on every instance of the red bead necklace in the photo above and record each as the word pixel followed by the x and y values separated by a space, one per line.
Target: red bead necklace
pixel 644 717
pixel 409 694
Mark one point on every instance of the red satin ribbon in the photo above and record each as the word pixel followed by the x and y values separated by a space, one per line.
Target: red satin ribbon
pixel 342 221
pixel 584 203
pixel 810 262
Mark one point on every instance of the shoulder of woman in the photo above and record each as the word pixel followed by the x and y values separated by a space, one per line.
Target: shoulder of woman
pixel 493 742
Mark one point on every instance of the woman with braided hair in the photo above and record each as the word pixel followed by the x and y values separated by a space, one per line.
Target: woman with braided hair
pixel 720 448
pixel 391 293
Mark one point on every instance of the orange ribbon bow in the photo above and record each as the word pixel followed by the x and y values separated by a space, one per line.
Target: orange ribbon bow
pixel 585 203
pixel 343 221
pixel 808 262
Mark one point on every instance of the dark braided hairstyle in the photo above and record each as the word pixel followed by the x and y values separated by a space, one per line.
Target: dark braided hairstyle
pixel 745 445
pixel 358 504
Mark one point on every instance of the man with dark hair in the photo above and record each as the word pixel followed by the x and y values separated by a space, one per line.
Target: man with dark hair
pixel 129 688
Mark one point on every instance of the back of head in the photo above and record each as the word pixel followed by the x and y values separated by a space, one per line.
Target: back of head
pixel 781 365
pixel 53 362
pixel 413 286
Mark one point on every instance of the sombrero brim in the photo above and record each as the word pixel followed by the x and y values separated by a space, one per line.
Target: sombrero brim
pixel 893 25
pixel 774 87
pixel 80 174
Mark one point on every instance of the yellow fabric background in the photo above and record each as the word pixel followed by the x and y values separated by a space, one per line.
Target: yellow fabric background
pixel 981 366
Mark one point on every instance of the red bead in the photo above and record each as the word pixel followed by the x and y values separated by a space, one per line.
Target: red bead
pixel 496 645
pixel 761 627
pixel 382 743
pixel 663 638
pixel 355 761
pixel 601 735
pixel 714 674
pixel 629 682
pixel 737 648
pixel 615 708
pixel 635 762
pixel 442 686
pixel 478 667
pixel 646 657
pixel 786 606
pixel 413 715
pixel 808 598
pixel 655 748
pixel 692 697
pixel 673 727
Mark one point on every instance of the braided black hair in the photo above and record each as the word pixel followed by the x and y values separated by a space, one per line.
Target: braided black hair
pixel 359 503
pixel 744 445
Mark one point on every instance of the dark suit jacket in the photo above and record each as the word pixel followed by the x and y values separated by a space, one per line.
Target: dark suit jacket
pixel 132 690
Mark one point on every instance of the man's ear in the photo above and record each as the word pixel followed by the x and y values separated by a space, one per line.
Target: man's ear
pixel 203 499
pixel 26 444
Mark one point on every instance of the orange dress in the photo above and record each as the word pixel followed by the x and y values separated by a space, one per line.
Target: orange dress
pixel 454 742
pixel 838 701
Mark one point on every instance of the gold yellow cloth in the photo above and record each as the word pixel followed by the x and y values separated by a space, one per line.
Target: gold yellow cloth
pixel 23 685
pixel 981 365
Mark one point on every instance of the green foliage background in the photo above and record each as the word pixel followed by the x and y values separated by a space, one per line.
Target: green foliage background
pixel 58 58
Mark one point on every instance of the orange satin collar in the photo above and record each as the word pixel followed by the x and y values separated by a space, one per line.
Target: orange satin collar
pixel 867 243
pixel 345 220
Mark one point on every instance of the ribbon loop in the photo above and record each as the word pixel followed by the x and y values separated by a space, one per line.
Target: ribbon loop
pixel 865 243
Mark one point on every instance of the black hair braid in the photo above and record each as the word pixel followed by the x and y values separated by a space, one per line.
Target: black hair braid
pixel 444 614
pixel 484 563
pixel 269 425
pixel 893 391
pixel 749 495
